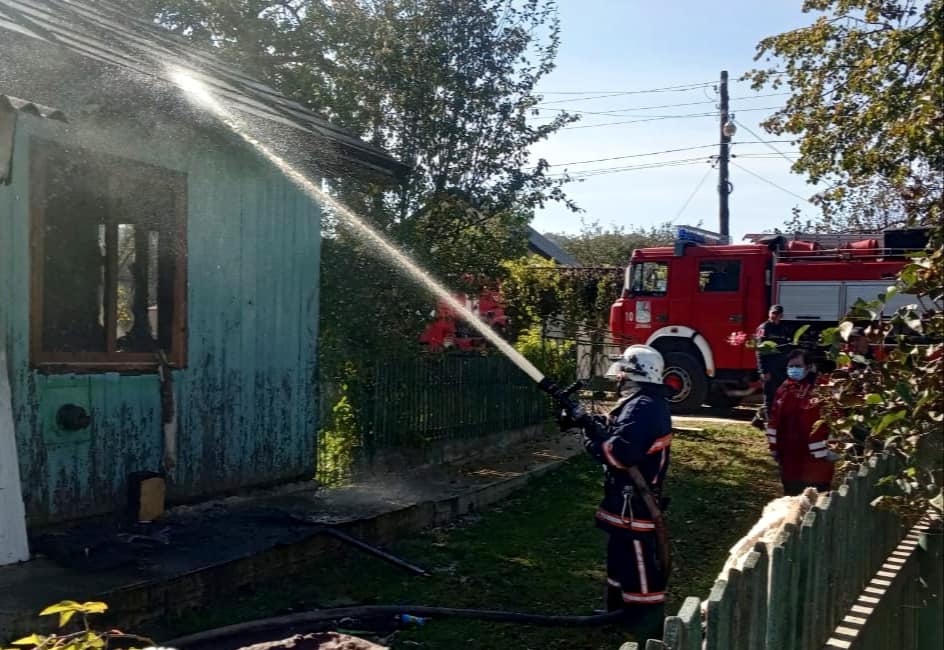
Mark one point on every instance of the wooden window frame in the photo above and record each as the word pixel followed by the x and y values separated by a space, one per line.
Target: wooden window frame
pixel 42 153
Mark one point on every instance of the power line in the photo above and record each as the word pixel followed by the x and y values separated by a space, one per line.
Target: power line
pixel 620 93
pixel 612 170
pixel 769 146
pixel 629 92
pixel 666 117
pixel 767 156
pixel 654 118
pixel 634 155
pixel 769 182
pixel 647 108
pixel 654 153
pixel 692 195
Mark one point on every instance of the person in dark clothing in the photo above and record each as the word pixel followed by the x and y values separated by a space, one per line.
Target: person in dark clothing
pixel 859 349
pixel 796 436
pixel 771 364
pixel 634 445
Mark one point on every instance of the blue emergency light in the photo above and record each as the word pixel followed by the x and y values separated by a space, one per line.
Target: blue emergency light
pixel 698 236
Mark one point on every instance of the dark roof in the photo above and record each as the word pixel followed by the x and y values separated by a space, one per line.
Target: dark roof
pixel 101 30
pixel 547 249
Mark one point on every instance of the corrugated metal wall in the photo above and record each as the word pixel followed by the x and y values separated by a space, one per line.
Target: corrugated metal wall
pixel 245 401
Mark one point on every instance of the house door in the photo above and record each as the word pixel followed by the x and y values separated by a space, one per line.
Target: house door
pixel 13 546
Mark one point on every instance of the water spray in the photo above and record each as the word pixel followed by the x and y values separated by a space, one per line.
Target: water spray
pixel 198 93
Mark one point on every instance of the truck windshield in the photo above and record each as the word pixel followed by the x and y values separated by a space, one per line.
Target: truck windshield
pixel 649 278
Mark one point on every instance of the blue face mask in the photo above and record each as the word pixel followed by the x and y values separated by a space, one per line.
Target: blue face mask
pixel 796 374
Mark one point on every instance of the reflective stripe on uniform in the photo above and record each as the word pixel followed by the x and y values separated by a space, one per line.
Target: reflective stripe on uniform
pixel 817 445
pixel 641 566
pixel 660 444
pixel 661 466
pixel 654 597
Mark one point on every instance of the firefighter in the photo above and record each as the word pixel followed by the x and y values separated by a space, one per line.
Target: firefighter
pixel 859 346
pixel 795 433
pixel 771 364
pixel 633 445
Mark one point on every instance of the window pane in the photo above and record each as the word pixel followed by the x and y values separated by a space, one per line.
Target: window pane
pixel 135 333
pixel 719 275
pixel 108 275
pixel 650 278
pixel 73 266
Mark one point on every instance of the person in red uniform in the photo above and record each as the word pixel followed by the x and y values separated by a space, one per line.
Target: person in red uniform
pixel 798 446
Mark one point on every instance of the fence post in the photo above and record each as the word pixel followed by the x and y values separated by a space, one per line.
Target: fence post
pixel 760 587
pixel 807 579
pixel 718 629
pixel 930 622
pixel 683 632
pixel 821 602
pixel 781 569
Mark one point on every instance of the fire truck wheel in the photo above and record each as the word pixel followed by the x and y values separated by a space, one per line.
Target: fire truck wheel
pixel 717 399
pixel 686 377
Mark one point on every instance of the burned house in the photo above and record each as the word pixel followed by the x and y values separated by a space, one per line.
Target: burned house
pixel 158 277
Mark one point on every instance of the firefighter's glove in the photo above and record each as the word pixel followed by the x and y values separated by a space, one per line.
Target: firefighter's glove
pixel 564 421
pixel 570 415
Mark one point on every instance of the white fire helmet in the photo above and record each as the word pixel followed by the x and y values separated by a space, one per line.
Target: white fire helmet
pixel 640 363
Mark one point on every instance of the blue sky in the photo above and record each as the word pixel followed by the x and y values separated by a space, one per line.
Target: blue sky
pixel 630 45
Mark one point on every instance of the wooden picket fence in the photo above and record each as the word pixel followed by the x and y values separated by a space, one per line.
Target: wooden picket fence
pixel 818 579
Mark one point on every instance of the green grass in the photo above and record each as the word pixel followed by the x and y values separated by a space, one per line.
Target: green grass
pixel 538 552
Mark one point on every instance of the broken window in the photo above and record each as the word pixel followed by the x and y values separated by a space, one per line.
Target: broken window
pixel 109 260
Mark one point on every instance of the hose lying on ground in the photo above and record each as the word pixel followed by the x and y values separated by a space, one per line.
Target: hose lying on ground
pixel 326 619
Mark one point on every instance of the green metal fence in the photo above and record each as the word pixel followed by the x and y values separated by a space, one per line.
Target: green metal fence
pixel 416 402
pixel 423 400
pixel 800 594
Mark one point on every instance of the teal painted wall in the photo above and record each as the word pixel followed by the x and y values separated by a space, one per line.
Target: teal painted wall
pixel 245 401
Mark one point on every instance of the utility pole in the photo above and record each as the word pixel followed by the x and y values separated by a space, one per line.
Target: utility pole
pixel 724 185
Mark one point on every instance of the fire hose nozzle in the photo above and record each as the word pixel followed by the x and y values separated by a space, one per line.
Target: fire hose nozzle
pixel 562 395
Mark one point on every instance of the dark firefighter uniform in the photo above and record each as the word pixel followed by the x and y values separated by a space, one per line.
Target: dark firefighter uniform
pixel 774 364
pixel 639 433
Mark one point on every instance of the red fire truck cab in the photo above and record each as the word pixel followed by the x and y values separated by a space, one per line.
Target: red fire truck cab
pixel 449 331
pixel 688 300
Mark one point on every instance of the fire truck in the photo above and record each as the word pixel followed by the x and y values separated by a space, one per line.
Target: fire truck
pixel 688 299
pixel 449 331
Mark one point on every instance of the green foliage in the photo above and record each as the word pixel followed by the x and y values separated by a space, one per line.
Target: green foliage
pixel 83 639
pixel 339 440
pixel 446 87
pixel 555 358
pixel 867 83
pixel 532 292
pixel 613 246
pixel 574 304
pixel 896 402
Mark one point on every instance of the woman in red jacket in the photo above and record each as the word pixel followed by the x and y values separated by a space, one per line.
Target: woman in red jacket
pixel 799 449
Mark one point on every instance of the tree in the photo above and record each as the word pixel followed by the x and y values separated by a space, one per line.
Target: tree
pixel 897 403
pixel 446 87
pixel 613 246
pixel 867 84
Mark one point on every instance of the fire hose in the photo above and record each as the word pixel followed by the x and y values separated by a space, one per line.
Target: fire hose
pixel 367 616
pixel 373 616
